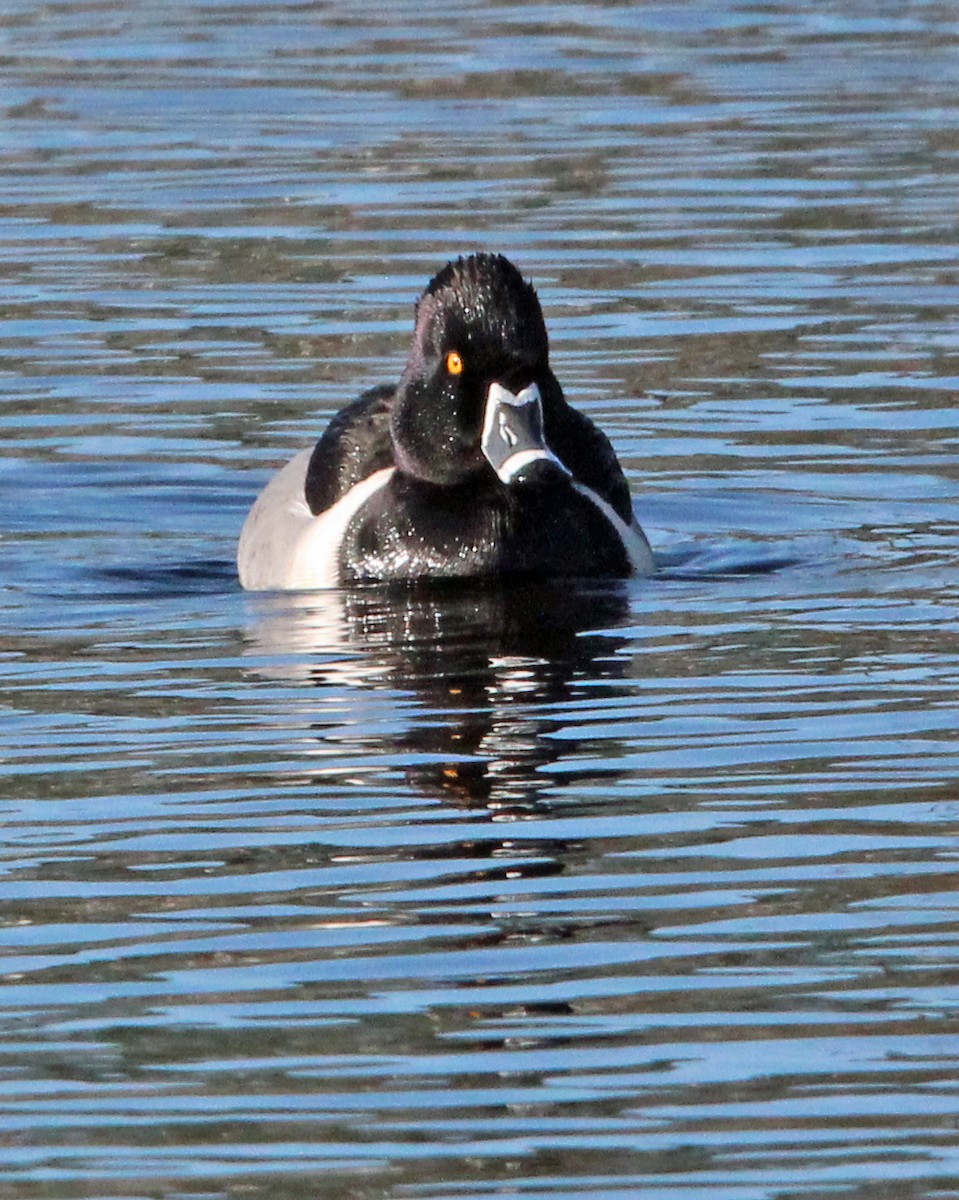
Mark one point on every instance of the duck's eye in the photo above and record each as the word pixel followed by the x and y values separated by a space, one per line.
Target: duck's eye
pixel 454 363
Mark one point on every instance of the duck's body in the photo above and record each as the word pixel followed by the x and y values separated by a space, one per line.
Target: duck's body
pixel 472 467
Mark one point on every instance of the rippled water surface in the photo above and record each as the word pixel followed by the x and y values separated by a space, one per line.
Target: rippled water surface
pixel 640 891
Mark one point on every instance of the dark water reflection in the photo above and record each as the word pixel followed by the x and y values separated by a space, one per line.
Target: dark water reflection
pixel 490 672
pixel 643 891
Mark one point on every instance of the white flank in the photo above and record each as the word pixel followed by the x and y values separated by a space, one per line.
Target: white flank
pixel 283 546
pixel 316 557
pixel 634 540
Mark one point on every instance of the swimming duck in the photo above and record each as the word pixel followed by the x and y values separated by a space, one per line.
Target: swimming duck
pixel 473 466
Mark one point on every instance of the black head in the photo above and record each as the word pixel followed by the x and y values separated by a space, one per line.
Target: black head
pixel 478 323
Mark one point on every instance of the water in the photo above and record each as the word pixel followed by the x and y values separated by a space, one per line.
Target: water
pixel 602 891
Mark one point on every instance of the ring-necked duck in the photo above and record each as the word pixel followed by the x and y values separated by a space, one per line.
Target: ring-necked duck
pixel 473 466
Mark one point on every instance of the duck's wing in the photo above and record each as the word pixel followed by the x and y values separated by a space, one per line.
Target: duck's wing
pixel 588 453
pixel 356 443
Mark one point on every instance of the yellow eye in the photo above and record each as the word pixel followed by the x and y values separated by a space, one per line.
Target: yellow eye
pixel 454 363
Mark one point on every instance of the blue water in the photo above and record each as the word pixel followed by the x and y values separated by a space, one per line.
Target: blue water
pixel 642 890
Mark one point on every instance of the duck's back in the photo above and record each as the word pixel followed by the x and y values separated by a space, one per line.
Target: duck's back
pixel 355 445
pixel 588 453
pixel 292 535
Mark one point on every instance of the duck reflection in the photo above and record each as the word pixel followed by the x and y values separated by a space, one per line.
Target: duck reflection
pixel 491 671
pixel 463 691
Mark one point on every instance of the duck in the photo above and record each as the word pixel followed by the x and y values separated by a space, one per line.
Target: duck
pixel 473 466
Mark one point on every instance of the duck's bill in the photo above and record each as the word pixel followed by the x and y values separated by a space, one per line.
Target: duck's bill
pixel 513 438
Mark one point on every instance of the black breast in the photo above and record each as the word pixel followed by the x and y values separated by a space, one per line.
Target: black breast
pixel 411 530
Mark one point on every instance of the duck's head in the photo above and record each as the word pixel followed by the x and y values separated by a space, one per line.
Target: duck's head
pixel 471 398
